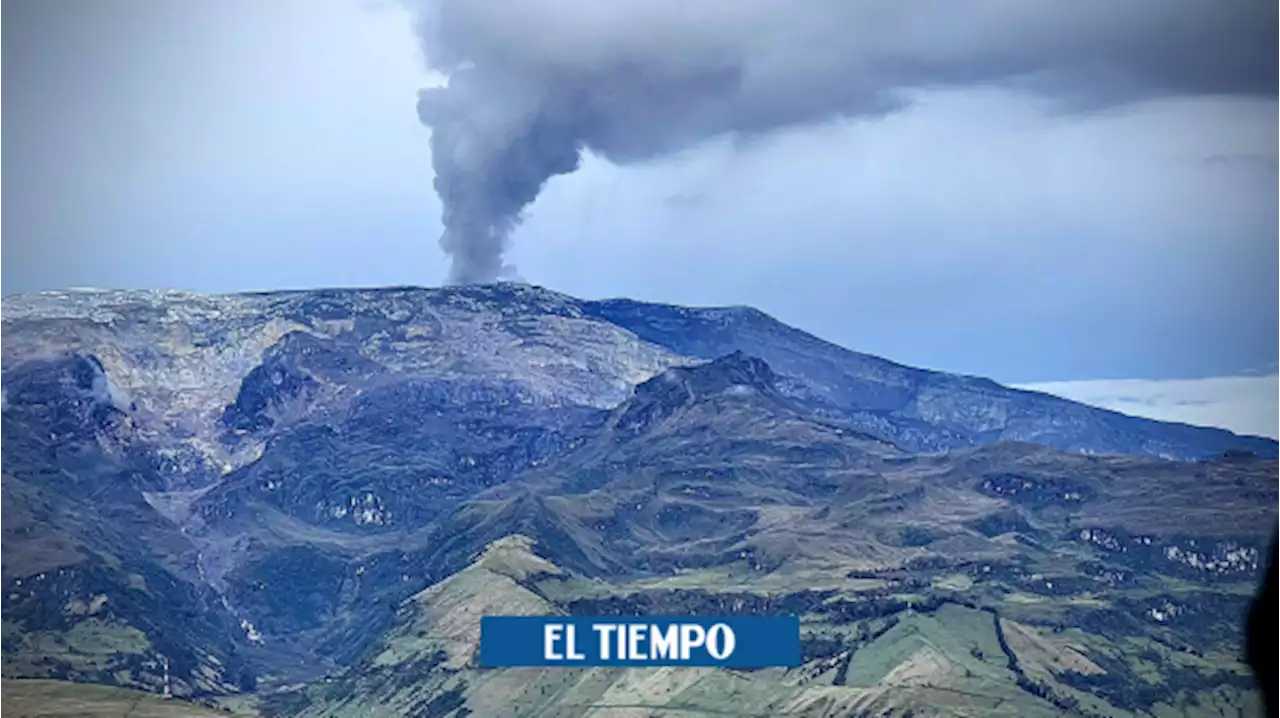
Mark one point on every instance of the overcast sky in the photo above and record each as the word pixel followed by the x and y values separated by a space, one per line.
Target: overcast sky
pixel 231 145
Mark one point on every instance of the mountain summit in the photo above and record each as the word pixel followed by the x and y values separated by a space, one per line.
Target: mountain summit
pixel 189 360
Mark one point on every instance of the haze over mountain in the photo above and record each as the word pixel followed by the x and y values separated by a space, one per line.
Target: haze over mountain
pixel 1245 404
pixel 300 503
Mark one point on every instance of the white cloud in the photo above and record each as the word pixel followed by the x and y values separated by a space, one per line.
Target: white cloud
pixel 1243 404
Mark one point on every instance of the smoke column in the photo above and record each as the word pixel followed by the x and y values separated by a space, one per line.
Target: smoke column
pixel 534 83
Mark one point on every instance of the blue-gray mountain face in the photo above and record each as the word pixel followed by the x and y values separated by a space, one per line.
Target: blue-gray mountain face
pixel 240 494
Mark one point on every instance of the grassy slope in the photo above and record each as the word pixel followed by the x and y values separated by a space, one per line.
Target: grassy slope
pixel 425 665
pixel 34 698
pixel 902 572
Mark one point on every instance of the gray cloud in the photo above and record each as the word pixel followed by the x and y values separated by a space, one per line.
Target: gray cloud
pixel 1260 165
pixel 534 83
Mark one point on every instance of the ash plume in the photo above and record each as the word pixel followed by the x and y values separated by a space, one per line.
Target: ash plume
pixel 532 84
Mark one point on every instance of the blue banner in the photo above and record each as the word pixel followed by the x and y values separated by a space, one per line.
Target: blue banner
pixel 724 641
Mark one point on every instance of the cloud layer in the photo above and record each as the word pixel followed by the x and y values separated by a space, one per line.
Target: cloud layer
pixel 534 83
pixel 1243 404
pixel 240 145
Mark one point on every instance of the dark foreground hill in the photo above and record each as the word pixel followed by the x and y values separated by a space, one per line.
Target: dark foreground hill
pixel 241 495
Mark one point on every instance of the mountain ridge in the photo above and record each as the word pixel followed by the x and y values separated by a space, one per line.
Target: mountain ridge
pixel 313 460
pixel 920 409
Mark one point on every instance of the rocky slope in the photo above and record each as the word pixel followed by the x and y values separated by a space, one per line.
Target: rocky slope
pixel 240 493
pixel 196 367
pixel 98 584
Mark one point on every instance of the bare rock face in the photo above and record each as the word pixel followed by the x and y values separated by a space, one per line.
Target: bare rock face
pixel 199 366
pixel 196 367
